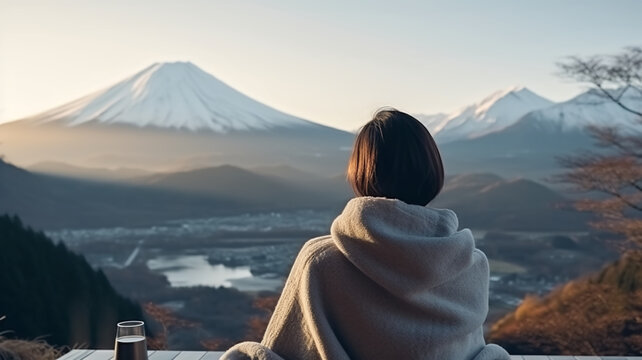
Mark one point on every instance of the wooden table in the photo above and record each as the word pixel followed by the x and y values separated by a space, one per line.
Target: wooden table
pixel 153 355
pixel 215 355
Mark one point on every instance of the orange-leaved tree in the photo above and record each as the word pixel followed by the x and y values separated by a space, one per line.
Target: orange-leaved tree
pixel 613 174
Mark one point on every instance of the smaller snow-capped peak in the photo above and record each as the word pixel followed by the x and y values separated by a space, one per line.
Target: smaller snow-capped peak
pixel 591 107
pixel 494 113
pixel 176 95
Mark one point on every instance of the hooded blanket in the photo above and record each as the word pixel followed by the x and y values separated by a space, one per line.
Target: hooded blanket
pixel 392 281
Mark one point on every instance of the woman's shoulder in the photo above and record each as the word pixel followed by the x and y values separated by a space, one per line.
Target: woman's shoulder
pixel 314 255
pixel 481 261
pixel 318 245
pixel 319 249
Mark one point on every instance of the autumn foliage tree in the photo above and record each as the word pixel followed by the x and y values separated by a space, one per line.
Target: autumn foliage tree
pixel 258 323
pixel 167 320
pixel 613 174
pixel 600 314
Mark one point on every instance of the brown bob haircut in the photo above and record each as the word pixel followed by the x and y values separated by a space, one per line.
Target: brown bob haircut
pixel 394 156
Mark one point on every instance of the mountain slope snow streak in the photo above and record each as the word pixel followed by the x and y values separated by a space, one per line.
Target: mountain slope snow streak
pixel 175 95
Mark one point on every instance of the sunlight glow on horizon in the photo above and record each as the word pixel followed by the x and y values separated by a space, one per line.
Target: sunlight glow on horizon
pixel 332 62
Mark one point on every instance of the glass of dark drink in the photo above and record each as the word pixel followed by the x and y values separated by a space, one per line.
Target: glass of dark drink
pixel 130 341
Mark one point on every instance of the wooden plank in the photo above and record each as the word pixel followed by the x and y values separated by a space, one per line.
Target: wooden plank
pixel 68 355
pixel 588 358
pixel 190 355
pixel 535 357
pixel 76 354
pixel 212 355
pixel 560 357
pixel 516 357
pixel 100 355
pixel 164 355
pixel 107 355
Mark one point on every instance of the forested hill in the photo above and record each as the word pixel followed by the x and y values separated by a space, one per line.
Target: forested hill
pixel 48 291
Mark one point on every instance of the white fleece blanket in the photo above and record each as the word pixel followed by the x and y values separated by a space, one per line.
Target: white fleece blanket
pixel 393 281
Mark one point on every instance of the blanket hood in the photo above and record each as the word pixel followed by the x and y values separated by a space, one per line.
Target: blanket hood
pixel 407 249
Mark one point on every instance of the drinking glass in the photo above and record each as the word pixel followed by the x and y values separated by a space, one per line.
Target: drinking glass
pixel 130 341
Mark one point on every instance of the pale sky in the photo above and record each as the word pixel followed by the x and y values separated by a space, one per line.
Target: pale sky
pixel 332 61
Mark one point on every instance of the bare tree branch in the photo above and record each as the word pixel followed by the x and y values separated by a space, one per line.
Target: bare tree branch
pixel 614 175
pixel 617 100
pixel 623 71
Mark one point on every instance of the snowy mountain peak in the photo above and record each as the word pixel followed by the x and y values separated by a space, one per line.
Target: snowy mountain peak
pixel 512 93
pixel 174 95
pixel 169 73
pixel 501 93
pixel 494 113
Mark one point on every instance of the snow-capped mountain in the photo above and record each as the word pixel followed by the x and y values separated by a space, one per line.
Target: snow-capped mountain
pixel 496 112
pixel 173 116
pixel 531 146
pixel 177 95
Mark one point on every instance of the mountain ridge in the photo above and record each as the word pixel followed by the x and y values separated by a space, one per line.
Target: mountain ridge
pixel 481 200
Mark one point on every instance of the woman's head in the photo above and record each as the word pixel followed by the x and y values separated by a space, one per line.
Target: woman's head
pixel 394 156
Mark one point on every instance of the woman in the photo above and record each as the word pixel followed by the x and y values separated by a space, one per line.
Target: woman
pixel 395 279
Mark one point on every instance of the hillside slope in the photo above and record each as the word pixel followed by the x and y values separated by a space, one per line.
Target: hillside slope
pixel 51 292
pixel 56 168
pixel 597 315
pixel 251 188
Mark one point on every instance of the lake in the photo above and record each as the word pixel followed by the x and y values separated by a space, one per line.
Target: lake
pixel 195 270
